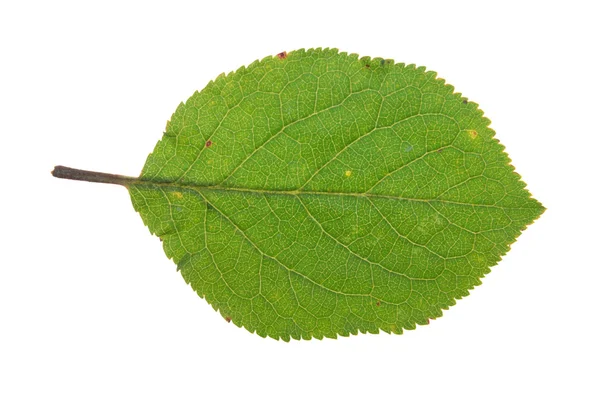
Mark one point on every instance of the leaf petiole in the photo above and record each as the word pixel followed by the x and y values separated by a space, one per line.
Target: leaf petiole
pixel 91 176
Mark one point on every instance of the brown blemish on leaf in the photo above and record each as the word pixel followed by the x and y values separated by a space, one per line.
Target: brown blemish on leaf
pixel 208 143
pixel 282 55
pixel 465 101
pixel 378 303
pixel 472 133
pixel 228 319
pixel 367 65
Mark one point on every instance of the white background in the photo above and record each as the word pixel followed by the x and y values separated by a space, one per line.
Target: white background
pixel 90 308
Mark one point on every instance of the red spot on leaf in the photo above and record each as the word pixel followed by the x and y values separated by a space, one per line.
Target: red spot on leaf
pixel 208 143
pixel 282 55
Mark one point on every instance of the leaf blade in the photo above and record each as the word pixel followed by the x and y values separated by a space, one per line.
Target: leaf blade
pixel 373 204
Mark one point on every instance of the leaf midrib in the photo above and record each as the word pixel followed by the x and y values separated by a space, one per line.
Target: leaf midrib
pixel 295 193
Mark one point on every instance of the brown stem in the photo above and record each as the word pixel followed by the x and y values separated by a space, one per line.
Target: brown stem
pixel 91 176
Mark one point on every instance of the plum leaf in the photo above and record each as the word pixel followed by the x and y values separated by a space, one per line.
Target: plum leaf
pixel 316 194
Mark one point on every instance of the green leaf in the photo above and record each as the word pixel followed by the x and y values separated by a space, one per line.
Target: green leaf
pixel 316 194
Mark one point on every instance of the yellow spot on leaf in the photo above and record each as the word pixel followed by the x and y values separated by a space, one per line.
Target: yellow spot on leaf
pixel 472 133
pixel 178 195
pixel 348 173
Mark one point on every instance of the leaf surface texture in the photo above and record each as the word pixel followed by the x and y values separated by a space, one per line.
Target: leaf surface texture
pixel 316 194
